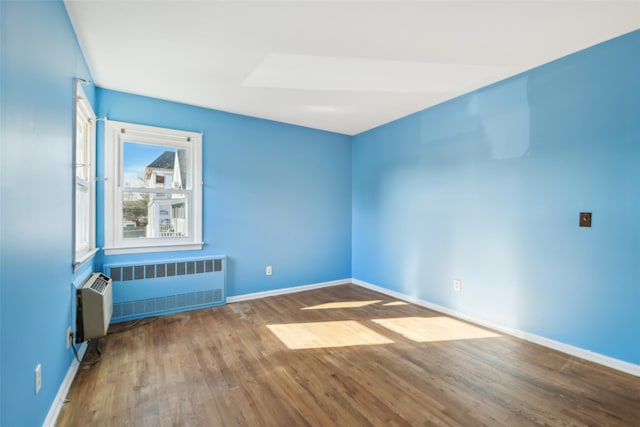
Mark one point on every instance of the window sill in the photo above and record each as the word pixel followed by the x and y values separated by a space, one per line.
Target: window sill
pixel 148 249
pixel 80 260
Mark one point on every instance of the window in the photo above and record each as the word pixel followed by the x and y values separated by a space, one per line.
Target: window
pixel 84 180
pixel 153 190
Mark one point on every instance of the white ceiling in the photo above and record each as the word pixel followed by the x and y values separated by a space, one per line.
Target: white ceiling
pixel 339 66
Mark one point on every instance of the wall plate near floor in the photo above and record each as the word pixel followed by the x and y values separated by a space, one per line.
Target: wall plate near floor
pixel 38 378
pixel 456 285
pixel 69 336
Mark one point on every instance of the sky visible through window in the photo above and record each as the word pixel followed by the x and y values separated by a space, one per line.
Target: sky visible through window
pixel 136 158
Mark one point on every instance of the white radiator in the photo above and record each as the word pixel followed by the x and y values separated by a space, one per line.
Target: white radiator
pixel 94 307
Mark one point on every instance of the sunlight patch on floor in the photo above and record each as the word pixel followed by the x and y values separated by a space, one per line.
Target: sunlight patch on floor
pixel 428 329
pixel 394 303
pixel 346 333
pixel 341 304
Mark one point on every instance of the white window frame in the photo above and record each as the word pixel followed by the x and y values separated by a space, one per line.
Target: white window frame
pixel 116 134
pixel 84 225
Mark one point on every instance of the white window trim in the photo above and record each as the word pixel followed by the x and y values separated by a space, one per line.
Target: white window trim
pixel 116 133
pixel 84 109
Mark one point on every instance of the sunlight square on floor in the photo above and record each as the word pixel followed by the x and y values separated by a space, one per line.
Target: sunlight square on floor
pixel 298 336
pixel 341 304
pixel 440 328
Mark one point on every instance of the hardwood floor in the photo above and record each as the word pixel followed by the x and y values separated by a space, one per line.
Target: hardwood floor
pixel 272 362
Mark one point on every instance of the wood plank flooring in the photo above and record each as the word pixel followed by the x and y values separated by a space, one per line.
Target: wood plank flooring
pixel 290 361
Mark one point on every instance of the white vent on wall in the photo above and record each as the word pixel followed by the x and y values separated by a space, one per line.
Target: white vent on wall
pixel 94 307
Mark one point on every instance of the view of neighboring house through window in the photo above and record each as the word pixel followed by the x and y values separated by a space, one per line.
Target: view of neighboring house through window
pixel 155 201
pixel 84 164
pixel 155 213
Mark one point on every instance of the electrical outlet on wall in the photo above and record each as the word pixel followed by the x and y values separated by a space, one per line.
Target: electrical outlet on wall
pixel 269 270
pixel 38 378
pixel 456 285
pixel 69 336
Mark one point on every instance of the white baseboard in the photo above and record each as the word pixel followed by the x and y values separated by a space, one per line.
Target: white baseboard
pixel 56 406
pixel 283 291
pixel 620 365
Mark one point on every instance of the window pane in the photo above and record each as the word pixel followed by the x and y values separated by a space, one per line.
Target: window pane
pixel 84 170
pixel 81 147
pixel 154 166
pixel 154 215
pixel 82 217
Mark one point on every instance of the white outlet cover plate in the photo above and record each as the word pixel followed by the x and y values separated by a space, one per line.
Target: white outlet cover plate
pixel 38 378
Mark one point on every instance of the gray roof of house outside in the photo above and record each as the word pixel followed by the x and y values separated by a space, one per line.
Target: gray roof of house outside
pixel 166 161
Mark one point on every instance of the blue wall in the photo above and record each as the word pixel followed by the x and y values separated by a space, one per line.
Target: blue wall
pixel 487 188
pixel 274 194
pixel 40 58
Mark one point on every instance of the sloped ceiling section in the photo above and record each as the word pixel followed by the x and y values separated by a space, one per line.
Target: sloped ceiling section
pixel 338 66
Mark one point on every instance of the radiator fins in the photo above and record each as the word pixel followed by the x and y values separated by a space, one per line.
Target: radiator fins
pixel 151 271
